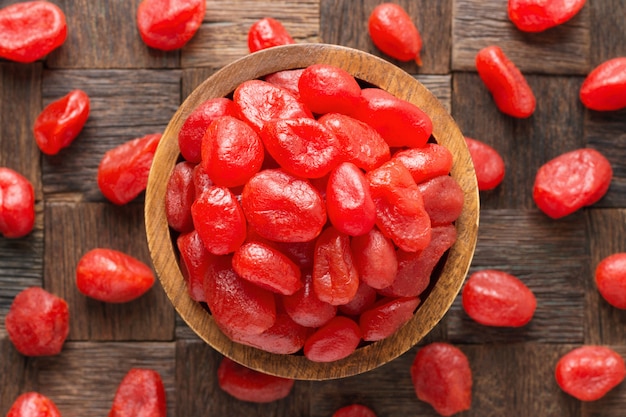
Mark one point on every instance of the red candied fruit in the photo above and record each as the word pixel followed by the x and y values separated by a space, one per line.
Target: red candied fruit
pixel 17 204
pixel 443 199
pixel 169 24
pixel 495 298
pixel 328 89
pixel 123 170
pixel 249 385
pixel 179 197
pixel 363 299
pixel 386 317
pixel 540 15
pixel 571 181
pixel 287 79
pixel 394 33
pixel 442 377
pixel 335 340
pixel 266 33
pixel 37 322
pixel 192 131
pixel 195 262
pixel 589 372
pixel 112 276
pixel 232 152
pixel 354 410
pixel 610 277
pixel 305 308
pixel 201 180
pixel 141 393
pixel 427 162
pixel 33 404
pixel 488 164
pixel 604 89
pixel 282 207
pixel 374 257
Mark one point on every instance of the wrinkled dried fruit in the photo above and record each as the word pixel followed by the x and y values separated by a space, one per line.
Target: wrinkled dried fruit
pixel 328 89
pixel 335 340
pixel 354 410
pixel 179 196
pixel 140 394
pixel 305 308
pixel 539 15
pixel 427 162
pixel 375 259
pixel 195 262
pixel 33 404
pixel 394 33
pixel 386 317
pixel 610 277
pixel 443 199
pixel 266 33
pixel 604 89
pixel 17 204
pixel 488 164
pixel 169 24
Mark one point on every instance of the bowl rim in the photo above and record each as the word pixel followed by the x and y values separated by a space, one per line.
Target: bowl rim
pixel 379 73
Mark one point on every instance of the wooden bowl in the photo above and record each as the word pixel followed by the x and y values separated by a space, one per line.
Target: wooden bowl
pixel 372 70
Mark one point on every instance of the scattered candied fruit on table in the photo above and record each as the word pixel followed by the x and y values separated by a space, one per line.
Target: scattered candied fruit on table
pixel 112 276
pixel 17 204
pixel 140 394
pixel 507 85
pixel 394 33
pixel 610 277
pixel 589 372
pixel 169 24
pixel 31 30
pixel 571 181
pixel 266 33
pixel 442 377
pixel 354 410
pixel 488 164
pixel 33 404
pixel 604 89
pixel 495 298
pixel 38 322
pixel 249 385
pixel 540 15
pixel 61 121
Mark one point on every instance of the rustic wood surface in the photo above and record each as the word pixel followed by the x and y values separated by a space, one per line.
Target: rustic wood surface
pixel 136 90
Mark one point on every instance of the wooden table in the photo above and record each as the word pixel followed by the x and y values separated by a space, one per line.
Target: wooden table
pixel 135 90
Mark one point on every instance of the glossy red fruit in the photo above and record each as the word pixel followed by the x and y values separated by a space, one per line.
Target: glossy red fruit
pixel 61 121
pixel 33 404
pixel 335 279
pixel 328 89
pixel 442 377
pixel 232 152
pixel 604 89
pixel 267 267
pixel 219 220
pixel 335 340
pixel 258 102
pixel 249 385
pixel 374 257
pixel 236 304
pixel 393 32
pixel 123 170
pixel 572 181
pixel 195 262
pixel 494 298
pixel 140 394
pixel 169 24
pixel 508 86
pixel 539 15
pixel 364 298
pixel 427 162
pixel 37 322
pixel 589 372
pixel 488 164
pixel 398 121
pixel 349 202
pixel 287 79
pixel 305 308
pixel 386 317
pixel 112 276
pixel 30 30
pixel 354 410
pixel 400 212
pixel 179 196
pixel 361 144
pixel 201 180
pixel 17 204
pixel 610 277
pixel 266 33
pixel 192 131
pixel 282 207
pixel 302 146
pixel 443 199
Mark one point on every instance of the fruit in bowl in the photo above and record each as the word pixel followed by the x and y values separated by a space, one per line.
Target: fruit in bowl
pixel 300 253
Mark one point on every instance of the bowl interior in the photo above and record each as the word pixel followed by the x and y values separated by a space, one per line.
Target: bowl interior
pixel 376 72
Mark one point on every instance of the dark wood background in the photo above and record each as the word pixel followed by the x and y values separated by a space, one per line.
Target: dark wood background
pixel 135 90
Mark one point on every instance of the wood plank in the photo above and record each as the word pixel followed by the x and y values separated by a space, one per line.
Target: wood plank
pixel 608 37
pixel 524 144
pixel 550 257
pixel 72 230
pixel 563 49
pixel 125 104
pixel 193 77
pixel 344 22
pixel 223 36
pixel 17 373
pixel 104 34
pixel 82 380
pixel 440 86
pixel 198 392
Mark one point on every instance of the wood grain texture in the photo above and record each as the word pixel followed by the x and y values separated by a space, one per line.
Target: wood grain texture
pixel 72 230
pixel 560 50
pixel 125 104
pixel 344 22
pixel 82 380
pixel 17 373
pixel 223 36
pixel 608 37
